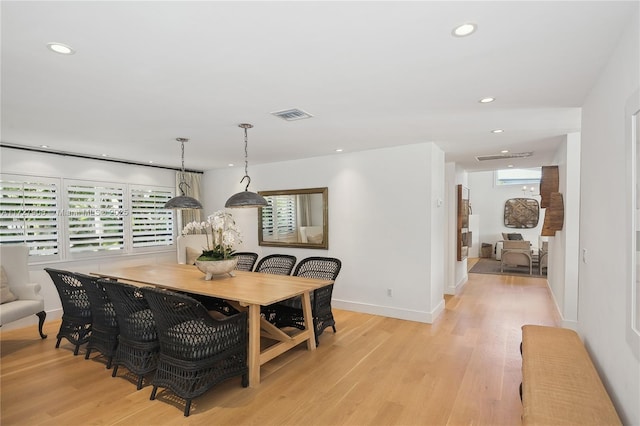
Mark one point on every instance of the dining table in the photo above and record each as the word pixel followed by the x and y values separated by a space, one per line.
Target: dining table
pixel 244 290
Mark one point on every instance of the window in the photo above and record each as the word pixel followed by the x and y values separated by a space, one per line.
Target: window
pixel 95 217
pixel 279 218
pixel 29 207
pixel 518 176
pixel 151 223
pixel 62 218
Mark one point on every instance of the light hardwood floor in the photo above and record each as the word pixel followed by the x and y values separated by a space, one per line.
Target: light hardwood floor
pixel 463 369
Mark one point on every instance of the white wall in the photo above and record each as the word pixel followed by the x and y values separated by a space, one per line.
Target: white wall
pixel 384 223
pixel 56 166
pixel 604 305
pixel 564 246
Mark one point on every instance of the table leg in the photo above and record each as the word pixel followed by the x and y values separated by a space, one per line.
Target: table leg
pixel 254 345
pixel 308 320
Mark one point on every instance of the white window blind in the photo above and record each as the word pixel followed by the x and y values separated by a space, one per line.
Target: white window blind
pixel 95 217
pixel 282 207
pixel 29 209
pixel 152 224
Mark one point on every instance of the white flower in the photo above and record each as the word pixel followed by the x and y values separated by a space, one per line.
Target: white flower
pixel 221 232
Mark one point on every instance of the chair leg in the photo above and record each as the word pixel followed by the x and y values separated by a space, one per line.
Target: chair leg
pixel 245 380
pixel 86 356
pixel 153 392
pixel 58 342
pixel 41 317
pixel 187 408
pixel 140 377
pixel 115 370
pixel 75 352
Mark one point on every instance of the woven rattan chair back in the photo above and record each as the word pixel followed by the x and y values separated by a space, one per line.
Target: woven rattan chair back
pixel 138 344
pixel 196 350
pixel 76 309
pixel 288 313
pixel 277 264
pixel 104 327
pixel 246 260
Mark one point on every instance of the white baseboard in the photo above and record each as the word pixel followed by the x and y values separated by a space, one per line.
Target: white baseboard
pixel 388 311
pixel 458 287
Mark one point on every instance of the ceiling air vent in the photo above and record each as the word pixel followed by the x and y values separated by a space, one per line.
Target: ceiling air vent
pixel 504 156
pixel 292 114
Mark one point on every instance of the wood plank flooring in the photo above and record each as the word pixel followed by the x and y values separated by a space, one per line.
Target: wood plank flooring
pixel 463 369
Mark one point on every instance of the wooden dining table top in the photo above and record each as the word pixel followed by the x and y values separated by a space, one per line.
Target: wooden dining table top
pixel 245 287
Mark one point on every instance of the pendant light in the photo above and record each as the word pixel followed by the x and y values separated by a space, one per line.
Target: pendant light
pixel 183 202
pixel 246 198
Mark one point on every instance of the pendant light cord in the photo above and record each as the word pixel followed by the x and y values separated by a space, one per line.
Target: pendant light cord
pixel 182 182
pixel 246 156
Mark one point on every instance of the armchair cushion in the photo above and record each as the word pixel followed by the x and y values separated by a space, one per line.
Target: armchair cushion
pixel 5 291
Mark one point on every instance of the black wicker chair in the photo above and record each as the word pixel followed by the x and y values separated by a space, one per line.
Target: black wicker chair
pixel 196 351
pixel 277 264
pixel 138 344
pixel 288 313
pixel 246 260
pixel 104 327
pixel 76 309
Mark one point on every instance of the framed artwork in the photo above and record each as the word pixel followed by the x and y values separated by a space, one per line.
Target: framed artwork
pixel 521 213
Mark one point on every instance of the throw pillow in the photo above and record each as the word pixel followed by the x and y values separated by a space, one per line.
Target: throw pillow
pixel 5 290
pixel 192 255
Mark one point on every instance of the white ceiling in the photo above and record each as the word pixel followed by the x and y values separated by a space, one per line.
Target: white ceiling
pixel 373 74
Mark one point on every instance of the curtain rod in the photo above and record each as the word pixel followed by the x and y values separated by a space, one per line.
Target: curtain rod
pixel 91 157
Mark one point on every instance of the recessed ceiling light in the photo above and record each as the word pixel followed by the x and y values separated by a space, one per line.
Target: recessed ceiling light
pixel 60 48
pixel 150 161
pixel 497 131
pixel 486 100
pixel 338 149
pixel 104 155
pixel 230 164
pixel 464 30
pixel 44 146
pixel 510 165
pixel 504 151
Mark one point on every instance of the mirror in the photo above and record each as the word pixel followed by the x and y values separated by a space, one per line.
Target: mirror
pixel 295 218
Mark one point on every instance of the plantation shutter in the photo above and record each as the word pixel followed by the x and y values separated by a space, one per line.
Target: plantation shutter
pixel 152 224
pixel 279 217
pixel 95 217
pixel 30 213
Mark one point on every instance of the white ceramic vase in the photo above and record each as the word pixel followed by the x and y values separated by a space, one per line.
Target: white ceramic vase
pixel 216 267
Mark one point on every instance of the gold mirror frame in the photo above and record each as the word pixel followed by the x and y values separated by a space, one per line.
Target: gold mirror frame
pixel 295 235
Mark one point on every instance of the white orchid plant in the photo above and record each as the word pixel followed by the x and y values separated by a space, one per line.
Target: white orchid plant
pixel 222 234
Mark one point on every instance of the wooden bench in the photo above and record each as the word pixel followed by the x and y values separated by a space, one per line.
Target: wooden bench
pixel 560 385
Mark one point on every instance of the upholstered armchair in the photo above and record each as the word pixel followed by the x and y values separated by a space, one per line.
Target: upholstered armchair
pixel 516 253
pixel 20 297
pixel 189 247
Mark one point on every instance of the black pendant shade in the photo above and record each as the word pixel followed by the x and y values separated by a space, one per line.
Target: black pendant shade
pixel 246 199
